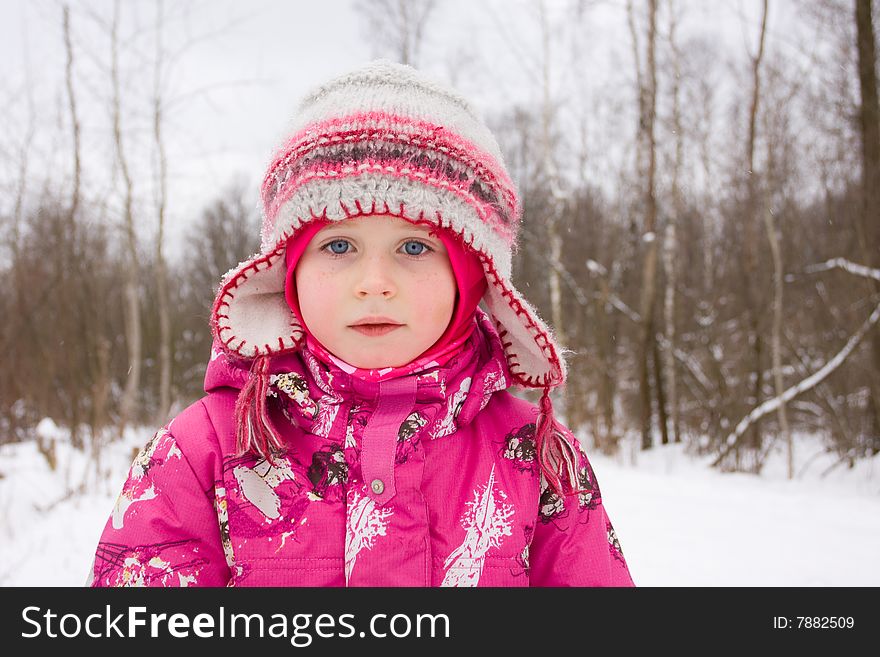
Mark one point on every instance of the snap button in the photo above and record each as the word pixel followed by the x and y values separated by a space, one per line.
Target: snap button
pixel 377 486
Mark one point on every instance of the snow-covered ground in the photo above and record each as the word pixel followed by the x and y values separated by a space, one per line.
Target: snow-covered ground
pixel 680 523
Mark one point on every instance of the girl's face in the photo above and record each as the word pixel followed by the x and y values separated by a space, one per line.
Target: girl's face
pixel 376 266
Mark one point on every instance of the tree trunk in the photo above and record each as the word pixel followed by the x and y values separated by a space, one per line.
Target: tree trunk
pixel 101 388
pixel 163 309
pixel 132 278
pixel 608 439
pixel 74 120
pixel 669 252
pixel 776 256
pixel 551 174
pixel 100 395
pixel 71 382
pixel 670 240
pixel 662 418
pixel 555 212
pixel 776 251
pixel 751 240
pixel 647 116
pixel 869 232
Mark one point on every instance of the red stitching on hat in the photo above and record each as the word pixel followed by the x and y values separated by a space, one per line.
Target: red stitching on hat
pixel 226 291
pixel 537 334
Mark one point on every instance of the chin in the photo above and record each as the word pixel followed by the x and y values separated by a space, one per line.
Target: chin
pixel 374 364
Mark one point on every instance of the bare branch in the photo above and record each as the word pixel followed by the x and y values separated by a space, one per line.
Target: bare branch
pixel 846 265
pixel 810 382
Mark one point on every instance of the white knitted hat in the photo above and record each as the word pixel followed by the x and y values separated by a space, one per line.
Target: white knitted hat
pixel 386 140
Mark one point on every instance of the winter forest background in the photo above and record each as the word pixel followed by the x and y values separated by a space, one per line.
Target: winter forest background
pixel 701 185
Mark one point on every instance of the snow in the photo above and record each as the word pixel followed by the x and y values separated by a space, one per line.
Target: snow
pixel 48 535
pixel 680 523
pixel 683 524
pixel 596 267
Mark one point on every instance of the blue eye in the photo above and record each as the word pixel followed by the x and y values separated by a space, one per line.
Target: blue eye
pixel 336 242
pixel 418 244
pixel 339 248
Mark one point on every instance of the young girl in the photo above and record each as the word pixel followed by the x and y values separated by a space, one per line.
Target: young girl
pixel 357 428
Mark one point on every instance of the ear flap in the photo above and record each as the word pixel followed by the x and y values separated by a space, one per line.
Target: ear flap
pixel 250 316
pixel 533 356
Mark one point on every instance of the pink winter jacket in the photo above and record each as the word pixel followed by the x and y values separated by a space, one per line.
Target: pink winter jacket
pixel 428 479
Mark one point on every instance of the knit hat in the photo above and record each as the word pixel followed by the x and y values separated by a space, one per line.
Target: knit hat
pixel 385 139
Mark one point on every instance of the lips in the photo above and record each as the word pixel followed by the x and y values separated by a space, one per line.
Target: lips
pixel 376 319
pixel 374 330
pixel 375 325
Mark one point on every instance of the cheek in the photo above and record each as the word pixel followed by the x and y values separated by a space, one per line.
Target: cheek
pixel 436 295
pixel 313 288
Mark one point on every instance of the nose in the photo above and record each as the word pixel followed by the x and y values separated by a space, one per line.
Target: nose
pixel 374 278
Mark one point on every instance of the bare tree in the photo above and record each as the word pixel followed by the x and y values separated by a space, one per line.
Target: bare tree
pixel 226 233
pixel 550 172
pixel 607 436
pixel 398 25
pixel 776 343
pixel 646 81
pixel 670 240
pixel 12 416
pixel 759 203
pixel 869 125
pixel 161 201
pixel 70 226
pixel 132 298
pixel 74 119
pixel 750 243
pixel 822 373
